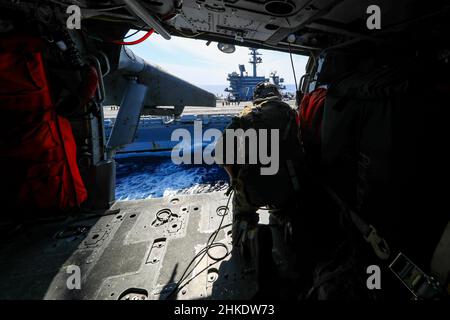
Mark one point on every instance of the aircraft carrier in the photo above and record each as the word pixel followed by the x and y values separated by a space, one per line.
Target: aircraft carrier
pixel 130 249
pixel 242 85
pixel 65 234
pixel 153 133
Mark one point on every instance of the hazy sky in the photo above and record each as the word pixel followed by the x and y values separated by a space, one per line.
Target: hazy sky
pixel 195 62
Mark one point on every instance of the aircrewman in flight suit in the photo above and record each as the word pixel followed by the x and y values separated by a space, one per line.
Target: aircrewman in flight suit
pixel 252 189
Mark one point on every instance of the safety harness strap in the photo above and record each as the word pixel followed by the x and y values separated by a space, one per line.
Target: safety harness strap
pixel 369 233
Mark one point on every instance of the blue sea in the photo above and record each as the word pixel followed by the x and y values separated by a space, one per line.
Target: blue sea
pixel 156 176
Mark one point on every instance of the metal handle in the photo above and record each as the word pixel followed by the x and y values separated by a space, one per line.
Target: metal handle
pixel 142 13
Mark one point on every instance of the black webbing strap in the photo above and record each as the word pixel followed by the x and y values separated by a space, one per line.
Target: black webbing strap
pixel 369 233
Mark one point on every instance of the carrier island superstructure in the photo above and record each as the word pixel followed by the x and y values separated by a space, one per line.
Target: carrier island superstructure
pixel 242 85
pixel 153 134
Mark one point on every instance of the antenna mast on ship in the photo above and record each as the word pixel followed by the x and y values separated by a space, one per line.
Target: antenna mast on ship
pixel 254 60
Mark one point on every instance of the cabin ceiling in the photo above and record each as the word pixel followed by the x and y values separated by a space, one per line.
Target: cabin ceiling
pixel 316 24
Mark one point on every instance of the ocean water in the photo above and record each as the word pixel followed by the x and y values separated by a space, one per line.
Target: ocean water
pixel 153 176
pixel 156 176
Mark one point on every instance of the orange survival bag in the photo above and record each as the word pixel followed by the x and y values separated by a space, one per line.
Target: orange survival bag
pixel 38 164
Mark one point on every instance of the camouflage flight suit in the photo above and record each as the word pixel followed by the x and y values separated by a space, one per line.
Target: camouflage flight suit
pixel 251 189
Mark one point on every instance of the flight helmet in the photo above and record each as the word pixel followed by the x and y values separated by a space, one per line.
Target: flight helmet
pixel 264 90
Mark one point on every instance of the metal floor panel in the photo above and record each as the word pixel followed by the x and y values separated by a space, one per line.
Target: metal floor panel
pixel 129 254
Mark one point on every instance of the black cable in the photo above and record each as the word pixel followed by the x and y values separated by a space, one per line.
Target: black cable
pixel 203 270
pixel 112 41
pixel 205 251
pixel 293 69
pixel 135 33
